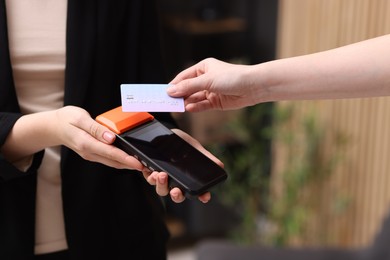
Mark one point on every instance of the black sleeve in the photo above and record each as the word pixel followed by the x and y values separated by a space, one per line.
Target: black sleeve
pixel 7 121
pixel 7 170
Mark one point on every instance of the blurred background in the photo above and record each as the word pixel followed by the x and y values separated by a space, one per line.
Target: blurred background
pixel 301 174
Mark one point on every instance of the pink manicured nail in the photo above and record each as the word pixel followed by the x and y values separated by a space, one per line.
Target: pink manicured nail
pixel 109 137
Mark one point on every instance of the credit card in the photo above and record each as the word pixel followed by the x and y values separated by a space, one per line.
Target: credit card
pixel 149 98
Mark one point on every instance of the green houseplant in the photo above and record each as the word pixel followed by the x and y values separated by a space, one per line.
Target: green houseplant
pixel 265 218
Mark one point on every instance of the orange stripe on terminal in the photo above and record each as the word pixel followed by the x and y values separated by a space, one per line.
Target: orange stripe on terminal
pixel 119 121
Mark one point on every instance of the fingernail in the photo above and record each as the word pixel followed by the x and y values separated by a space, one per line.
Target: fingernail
pixel 162 179
pixel 175 194
pixel 109 137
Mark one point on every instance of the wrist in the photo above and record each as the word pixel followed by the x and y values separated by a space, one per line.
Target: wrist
pixel 259 86
pixel 30 134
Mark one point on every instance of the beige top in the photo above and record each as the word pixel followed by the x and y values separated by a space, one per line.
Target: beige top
pixel 36 30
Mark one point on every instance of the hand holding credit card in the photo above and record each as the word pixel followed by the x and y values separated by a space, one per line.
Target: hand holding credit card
pixel 149 98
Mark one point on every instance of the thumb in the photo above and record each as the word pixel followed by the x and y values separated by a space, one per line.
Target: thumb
pixel 101 132
pixel 188 87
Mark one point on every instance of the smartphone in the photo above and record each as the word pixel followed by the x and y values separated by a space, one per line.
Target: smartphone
pixel 160 149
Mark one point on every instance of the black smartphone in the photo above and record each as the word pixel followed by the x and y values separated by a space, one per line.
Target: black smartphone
pixel 160 149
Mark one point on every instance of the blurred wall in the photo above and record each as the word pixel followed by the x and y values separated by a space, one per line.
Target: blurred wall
pixel 362 176
pixel 239 31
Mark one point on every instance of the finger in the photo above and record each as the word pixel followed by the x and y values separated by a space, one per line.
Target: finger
pixel 152 178
pixel 198 107
pixel 176 195
pixel 196 97
pixel 162 188
pixel 97 130
pixel 111 154
pixel 206 197
pixel 120 161
pixel 93 150
pixel 210 155
pixel 187 87
pixel 195 143
pixel 146 172
pixel 197 102
pixel 202 101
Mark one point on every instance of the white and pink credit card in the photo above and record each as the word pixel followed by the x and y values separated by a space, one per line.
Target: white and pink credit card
pixel 149 98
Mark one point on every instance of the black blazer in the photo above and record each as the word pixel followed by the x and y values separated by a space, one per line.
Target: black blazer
pixel 109 213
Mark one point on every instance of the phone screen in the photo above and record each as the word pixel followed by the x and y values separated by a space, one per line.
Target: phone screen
pixel 163 149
